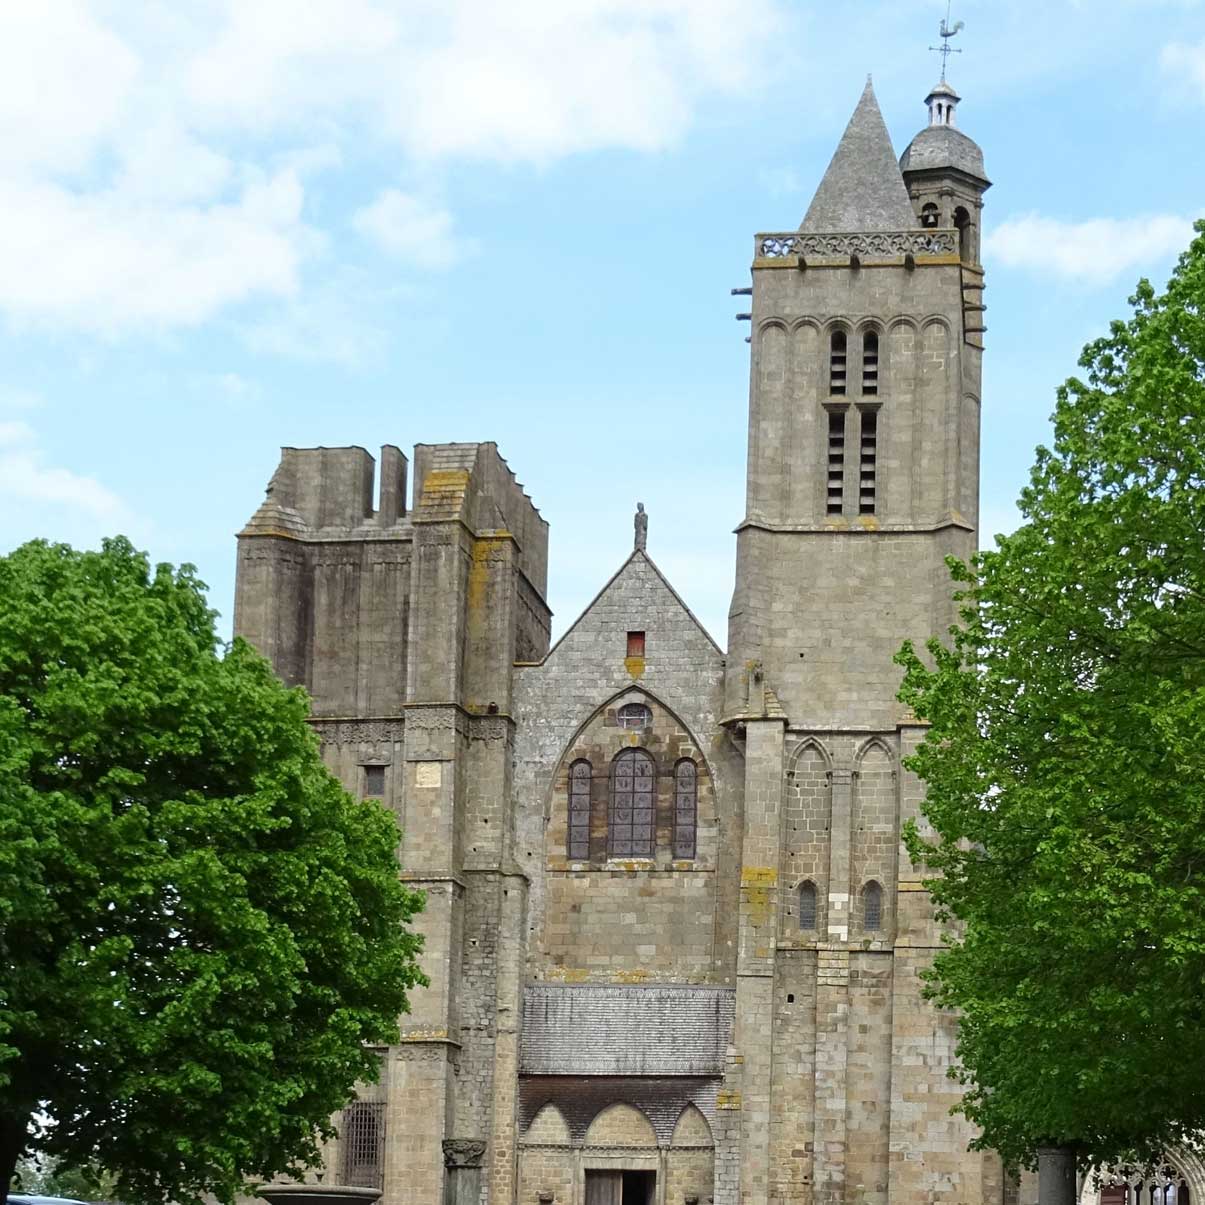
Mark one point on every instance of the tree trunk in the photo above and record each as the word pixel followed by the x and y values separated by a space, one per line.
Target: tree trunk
pixel 1056 1175
pixel 13 1136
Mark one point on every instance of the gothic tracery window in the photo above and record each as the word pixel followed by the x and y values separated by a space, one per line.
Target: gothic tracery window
pixel 580 776
pixel 634 715
pixel 686 807
pixel 631 822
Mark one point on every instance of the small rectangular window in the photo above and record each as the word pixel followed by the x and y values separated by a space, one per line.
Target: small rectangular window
pixel 635 644
pixel 836 462
pixel 374 780
pixel 363 1138
pixel 868 463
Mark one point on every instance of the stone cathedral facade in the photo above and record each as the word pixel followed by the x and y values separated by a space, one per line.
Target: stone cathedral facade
pixel 674 941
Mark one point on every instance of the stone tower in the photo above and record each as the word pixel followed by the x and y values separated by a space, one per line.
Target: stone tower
pixel 863 475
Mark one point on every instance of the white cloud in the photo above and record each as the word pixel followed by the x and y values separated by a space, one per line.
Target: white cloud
pixel 411 229
pixel 523 81
pixel 105 262
pixel 1186 63
pixel 1090 252
pixel 47 500
pixel 152 158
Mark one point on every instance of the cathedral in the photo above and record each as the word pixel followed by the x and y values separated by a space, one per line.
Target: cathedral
pixel 674 943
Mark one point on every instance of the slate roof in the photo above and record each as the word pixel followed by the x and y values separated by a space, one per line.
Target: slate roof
pixel 862 188
pixel 939 147
pixel 621 1030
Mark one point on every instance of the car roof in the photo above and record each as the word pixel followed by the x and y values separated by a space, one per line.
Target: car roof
pixel 29 1198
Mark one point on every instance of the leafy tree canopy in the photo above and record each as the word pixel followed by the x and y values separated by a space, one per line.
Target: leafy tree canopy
pixel 200 931
pixel 1065 763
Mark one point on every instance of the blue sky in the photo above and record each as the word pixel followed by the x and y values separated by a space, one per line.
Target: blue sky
pixel 229 226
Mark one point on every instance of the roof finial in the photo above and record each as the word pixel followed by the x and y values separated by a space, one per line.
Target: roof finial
pixel 946 31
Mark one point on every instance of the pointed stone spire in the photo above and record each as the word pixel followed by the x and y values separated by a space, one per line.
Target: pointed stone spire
pixel 863 188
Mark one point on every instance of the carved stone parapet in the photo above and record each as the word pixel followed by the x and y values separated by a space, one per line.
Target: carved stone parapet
pixel 463 1152
pixel 432 732
pixel 861 243
pixel 362 732
pixel 490 727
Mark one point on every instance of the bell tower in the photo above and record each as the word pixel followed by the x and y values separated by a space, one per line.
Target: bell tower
pixel 863 476
pixel 863 463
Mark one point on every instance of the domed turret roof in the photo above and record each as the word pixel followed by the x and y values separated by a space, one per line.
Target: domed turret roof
pixel 943 146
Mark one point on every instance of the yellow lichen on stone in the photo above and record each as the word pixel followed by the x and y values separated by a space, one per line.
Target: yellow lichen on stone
pixel 634 666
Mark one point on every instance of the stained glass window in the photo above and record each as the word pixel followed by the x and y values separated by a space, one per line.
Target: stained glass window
pixel 579 810
pixel 631 821
pixel 686 807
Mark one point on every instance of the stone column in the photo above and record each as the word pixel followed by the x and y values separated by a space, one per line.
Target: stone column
pixel 462 1158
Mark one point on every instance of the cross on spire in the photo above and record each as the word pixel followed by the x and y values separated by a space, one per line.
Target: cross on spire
pixel 946 31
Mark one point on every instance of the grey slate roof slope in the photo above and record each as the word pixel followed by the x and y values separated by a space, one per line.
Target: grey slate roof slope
pixel 863 188
pixel 608 1030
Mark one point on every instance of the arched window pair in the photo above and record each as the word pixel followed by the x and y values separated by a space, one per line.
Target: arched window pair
pixel 632 807
pixel 872 906
pixel 838 363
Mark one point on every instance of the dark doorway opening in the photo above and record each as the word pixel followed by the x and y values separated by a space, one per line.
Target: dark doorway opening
pixel 621 1187
pixel 639 1188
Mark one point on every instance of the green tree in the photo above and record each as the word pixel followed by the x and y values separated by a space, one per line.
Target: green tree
pixel 200 931
pixel 1065 764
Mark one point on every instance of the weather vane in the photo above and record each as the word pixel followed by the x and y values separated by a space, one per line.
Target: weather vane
pixel 946 32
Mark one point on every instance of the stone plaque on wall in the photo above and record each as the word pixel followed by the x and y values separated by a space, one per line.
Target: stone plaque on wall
pixel 428 774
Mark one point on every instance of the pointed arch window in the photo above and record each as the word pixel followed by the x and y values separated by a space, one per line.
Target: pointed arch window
pixel 581 775
pixel 686 808
pixel 837 358
pixel 631 817
pixel 872 907
pixel 807 905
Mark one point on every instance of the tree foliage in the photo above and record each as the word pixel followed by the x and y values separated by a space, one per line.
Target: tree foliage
pixel 199 929
pixel 1065 763
pixel 53 1178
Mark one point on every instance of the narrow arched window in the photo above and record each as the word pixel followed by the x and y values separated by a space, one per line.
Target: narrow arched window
pixel 872 907
pixel 807 905
pixel 631 816
pixel 686 807
pixel 870 363
pixel 838 350
pixel 929 215
pixel 962 220
pixel 580 779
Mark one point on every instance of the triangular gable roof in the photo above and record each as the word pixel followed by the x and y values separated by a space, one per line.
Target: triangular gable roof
pixel 862 188
pixel 637 554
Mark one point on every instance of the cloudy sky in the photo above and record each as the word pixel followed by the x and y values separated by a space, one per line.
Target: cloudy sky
pixel 228 225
